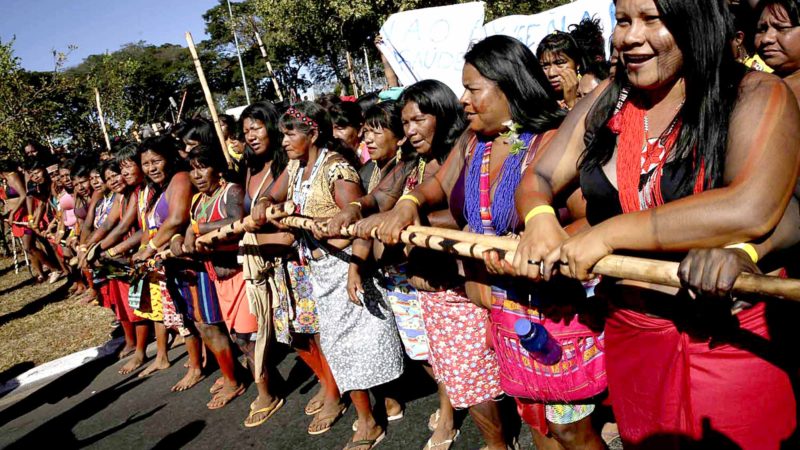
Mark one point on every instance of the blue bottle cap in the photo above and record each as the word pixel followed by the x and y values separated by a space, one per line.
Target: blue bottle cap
pixel 523 327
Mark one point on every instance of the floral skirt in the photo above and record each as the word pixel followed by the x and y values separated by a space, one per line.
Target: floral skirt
pixel 404 300
pixel 295 310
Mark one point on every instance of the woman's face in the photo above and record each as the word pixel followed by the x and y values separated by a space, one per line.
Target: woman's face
pixel 347 133
pixel 96 181
pixel 154 166
pixel 256 136
pixel 381 143
pixel 204 178
pixel 420 128
pixel 66 180
pixel 297 144
pixel 189 144
pixel 83 186
pixel 37 176
pixel 131 173
pixel 647 49
pixel 554 64
pixel 485 104
pixel 778 41
pixel 114 181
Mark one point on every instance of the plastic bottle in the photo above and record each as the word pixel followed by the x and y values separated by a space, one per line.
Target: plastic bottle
pixel 538 342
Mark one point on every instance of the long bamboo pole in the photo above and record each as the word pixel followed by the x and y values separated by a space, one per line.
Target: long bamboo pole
pixel 269 66
pixel 183 101
pixel 209 98
pixel 665 273
pixel 101 118
pixel 227 232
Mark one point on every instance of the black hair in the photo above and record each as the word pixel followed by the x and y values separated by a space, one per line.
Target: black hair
pixel 8 163
pixel 266 113
pixel 588 35
pixel 712 78
pixel 127 153
pixel 199 129
pixel 388 115
pixel 367 101
pixel 437 99
pixel 325 137
pixel 328 100
pixel 209 156
pixel 80 171
pixel 517 72
pixel 600 69
pixel 791 6
pixel 229 122
pixel 108 164
pixel 347 114
pixel 167 147
pixel 561 42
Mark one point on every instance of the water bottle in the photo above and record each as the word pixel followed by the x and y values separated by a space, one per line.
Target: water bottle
pixel 538 342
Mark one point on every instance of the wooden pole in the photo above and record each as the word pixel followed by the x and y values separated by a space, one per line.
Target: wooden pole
pixel 183 101
pixel 102 120
pixel 227 232
pixel 269 66
pixel 351 72
pixel 369 75
pixel 471 245
pixel 209 98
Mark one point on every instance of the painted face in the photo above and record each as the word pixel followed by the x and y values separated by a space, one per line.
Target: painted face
pixel 154 166
pixel 554 64
pixel 587 84
pixel 256 136
pixel 297 144
pixel 66 180
pixel 348 135
pixel 189 144
pixel 420 128
pixel 83 187
pixel 204 178
pixel 96 181
pixel 131 173
pixel 778 41
pixel 646 47
pixel 485 104
pixel 381 143
pixel 114 181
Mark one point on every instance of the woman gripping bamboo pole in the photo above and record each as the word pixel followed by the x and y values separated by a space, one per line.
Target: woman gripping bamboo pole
pixel 274 212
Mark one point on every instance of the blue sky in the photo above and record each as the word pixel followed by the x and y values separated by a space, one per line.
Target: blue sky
pixel 95 26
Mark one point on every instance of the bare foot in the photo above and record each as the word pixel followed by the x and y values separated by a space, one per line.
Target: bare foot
pixel 134 363
pixel 127 351
pixel 179 340
pixel 225 395
pixel 192 377
pixel 155 366
pixel 316 403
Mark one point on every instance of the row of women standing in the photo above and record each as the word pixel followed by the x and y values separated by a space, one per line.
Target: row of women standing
pixel 683 149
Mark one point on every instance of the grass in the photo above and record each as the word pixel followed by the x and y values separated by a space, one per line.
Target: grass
pixel 40 322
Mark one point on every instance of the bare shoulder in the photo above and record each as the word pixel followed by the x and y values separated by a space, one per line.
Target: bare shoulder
pixel 759 88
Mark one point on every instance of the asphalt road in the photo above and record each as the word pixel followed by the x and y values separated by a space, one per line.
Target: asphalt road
pixel 93 406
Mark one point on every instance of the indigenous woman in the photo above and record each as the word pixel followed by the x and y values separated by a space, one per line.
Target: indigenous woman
pixel 17 211
pixel 348 119
pixel 509 113
pixel 432 120
pixel 39 216
pixel 680 151
pixel 83 198
pixel 776 39
pixel 165 214
pixel 220 297
pixel 563 61
pixel 360 341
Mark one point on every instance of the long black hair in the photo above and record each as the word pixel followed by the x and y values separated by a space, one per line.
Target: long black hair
pixel 266 113
pixel 712 77
pixel 387 115
pixel 561 42
pixel 167 147
pixel 517 72
pixel 325 137
pixel 198 129
pixel 437 99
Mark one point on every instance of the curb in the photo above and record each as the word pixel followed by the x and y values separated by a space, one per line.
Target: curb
pixel 52 369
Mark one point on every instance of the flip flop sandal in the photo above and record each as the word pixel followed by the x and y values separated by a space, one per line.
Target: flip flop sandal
pixel 371 442
pixel 314 412
pixel 217 386
pixel 388 419
pixel 448 442
pixel 333 420
pixel 271 410
pixel 239 391
pixel 433 421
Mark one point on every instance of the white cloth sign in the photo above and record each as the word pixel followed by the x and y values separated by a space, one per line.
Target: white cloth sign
pixel 430 43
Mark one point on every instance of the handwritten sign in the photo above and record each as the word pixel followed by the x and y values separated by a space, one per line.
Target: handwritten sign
pixel 430 43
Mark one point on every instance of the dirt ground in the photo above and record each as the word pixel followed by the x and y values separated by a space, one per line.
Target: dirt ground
pixel 40 323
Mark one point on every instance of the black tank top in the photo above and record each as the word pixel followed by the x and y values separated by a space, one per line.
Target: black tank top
pixel 602 198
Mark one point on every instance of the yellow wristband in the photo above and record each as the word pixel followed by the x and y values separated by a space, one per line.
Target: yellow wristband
pixel 152 245
pixel 175 236
pixel 411 198
pixel 111 252
pixel 543 209
pixel 357 204
pixel 747 248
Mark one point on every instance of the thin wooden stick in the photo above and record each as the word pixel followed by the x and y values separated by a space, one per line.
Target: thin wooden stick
pixel 183 101
pixel 664 273
pixel 102 119
pixel 227 232
pixel 209 98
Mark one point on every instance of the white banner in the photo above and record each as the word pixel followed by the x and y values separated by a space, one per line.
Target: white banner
pixel 430 43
